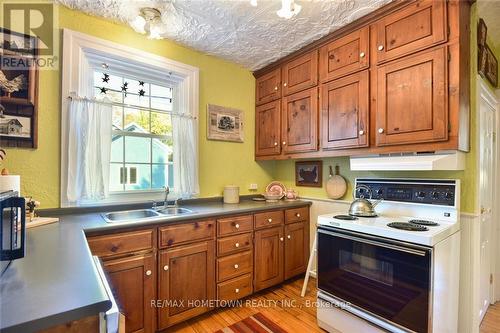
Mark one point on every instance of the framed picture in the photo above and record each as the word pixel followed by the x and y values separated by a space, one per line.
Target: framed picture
pixel 224 124
pixel 16 127
pixel 481 33
pixel 17 81
pixel 491 71
pixel 309 173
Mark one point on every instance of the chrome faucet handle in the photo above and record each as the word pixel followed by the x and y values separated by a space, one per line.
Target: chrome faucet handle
pixel 167 189
pixel 154 204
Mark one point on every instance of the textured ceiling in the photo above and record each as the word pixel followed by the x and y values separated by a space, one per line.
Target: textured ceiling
pixel 489 10
pixel 234 30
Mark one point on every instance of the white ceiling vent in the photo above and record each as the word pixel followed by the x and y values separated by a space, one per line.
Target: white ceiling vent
pixel 444 160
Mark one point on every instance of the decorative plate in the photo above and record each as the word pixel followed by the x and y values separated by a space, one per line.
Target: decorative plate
pixel 276 188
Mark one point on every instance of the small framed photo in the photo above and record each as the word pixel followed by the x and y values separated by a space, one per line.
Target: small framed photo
pixel 491 71
pixel 309 173
pixel 17 80
pixel 224 124
pixel 481 33
pixel 16 127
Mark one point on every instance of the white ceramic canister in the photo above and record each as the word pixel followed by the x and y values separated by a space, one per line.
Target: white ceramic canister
pixel 231 194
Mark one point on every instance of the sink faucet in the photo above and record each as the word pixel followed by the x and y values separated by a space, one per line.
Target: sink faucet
pixel 167 192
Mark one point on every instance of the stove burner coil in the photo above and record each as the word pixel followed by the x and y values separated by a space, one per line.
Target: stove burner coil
pixel 407 226
pixel 345 217
pixel 424 222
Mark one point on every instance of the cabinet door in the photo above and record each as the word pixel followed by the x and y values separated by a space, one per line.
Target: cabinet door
pixel 296 248
pixel 268 268
pixel 267 129
pixel 300 73
pixel 344 109
pixel 299 130
pixel 268 87
pixel 413 28
pixel 187 276
pixel 412 99
pixel 133 281
pixel 345 55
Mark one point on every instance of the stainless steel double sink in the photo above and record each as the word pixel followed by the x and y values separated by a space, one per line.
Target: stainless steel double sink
pixel 145 214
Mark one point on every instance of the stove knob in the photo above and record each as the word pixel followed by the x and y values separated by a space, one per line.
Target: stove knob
pixel 448 195
pixel 421 194
pixel 435 195
pixel 380 191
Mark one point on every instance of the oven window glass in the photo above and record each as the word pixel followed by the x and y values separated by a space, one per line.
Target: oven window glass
pixel 387 282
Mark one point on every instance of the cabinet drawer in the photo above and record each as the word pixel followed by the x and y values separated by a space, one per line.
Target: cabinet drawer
pixel 186 233
pixel 268 87
pixel 233 244
pixel 263 220
pixel 297 215
pixel 234 225
pixel 234 265
pixel 123 242
pixel 236 288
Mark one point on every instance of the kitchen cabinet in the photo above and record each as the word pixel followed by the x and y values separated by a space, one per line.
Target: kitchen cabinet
pixel 301 73
pixel 416 27
pixel 345 55
pixel 296 248
pixel 269 257
pixel 299 120
pixel 133 282
pixel 412 99
pixel 345 112
pixel 268 87
pixel 186 276
pixel 267 129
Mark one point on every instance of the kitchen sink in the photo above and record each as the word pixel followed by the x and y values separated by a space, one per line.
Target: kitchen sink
pixel 144 214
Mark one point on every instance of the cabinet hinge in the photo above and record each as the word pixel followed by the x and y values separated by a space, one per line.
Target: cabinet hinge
pixel 491 278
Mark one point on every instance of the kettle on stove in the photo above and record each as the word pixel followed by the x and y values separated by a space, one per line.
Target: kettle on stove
pixel 361 206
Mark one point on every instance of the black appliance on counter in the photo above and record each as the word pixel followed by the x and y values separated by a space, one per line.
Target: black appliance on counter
pixel 13 228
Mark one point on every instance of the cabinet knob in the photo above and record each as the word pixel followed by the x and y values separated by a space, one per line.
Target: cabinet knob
pixel 289 237
pixel 269 220
pixel 281 239
pixel 236 290
pixel 362 55
pixel 284 84
pixel 361 132
pixel 165 268
pixel 237 244
pixel 276 88
pixel 148 272
pixel 275 143
pixel 236 266
pixel 381 130
pixel 380 47
pixel 237 226
pixel 284 143
pixel 298 214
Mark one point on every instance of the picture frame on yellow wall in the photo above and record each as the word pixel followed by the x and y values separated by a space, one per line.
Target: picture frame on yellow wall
pixel 224 124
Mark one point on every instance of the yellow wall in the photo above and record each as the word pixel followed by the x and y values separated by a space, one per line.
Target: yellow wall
pixel 221 83
pixel 285 170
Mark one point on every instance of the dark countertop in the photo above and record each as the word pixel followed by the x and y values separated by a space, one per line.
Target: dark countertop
pixel 57 280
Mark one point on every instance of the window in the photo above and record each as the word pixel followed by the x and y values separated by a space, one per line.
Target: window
pixel 142 140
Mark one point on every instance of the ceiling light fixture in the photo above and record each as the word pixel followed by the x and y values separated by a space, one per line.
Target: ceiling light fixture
pixel 253 3
pixel 288 9
pixel 148 22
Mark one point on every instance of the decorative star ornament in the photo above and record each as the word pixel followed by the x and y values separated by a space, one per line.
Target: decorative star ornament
pixel 141 92
pixel 103 90
pixel 141 83
pixel 125 87
pixel 105 78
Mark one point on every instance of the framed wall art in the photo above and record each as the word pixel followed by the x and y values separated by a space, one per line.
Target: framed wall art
pixel 224 124
pixel 481 33
pixel 491 71
pixel 309 173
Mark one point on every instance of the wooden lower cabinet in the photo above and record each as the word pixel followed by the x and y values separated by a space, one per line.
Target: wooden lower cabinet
pixel 268 257
pixel 296 248
pixel 186 277
pixel 133 281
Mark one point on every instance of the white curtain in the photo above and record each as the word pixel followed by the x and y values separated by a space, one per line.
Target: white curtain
pixel 89 149
pixel 185 137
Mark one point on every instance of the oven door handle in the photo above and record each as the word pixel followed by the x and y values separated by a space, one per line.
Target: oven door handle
pixel 375 243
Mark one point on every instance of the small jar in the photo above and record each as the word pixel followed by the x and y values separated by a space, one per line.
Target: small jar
pixel 231 194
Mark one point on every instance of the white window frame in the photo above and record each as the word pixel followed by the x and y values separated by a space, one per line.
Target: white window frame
pixel 81 52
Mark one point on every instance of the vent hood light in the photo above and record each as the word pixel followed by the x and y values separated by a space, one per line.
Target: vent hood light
pixel 445 160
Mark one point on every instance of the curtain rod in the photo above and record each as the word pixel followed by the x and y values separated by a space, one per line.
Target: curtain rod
pixel 93 100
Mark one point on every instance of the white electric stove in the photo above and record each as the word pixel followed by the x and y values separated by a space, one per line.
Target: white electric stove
pixel 398 271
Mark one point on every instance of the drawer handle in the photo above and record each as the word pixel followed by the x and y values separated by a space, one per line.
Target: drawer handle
pixel 275 144
pixel 281 239
pixel 165 268
pixel 284 84
pixel 237 226
pixel 362 54
pixel 381 130
pixel 361 132
pixel 237 290
pixel 276 88
pixel 148 272
pixel 236 266
pixel 269 220
pixel 289 237
pixel 284 143
pixel 237 244
pixel 380 47
pixel 298 214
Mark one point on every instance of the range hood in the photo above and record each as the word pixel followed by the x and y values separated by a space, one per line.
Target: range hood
pixel 444 160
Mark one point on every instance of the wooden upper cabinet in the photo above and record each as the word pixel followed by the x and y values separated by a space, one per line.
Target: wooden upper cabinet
pixel 186 276
pixel 268 257
pixel 412 99
pixel 268 87
pixel 345 55
pixel 133 281
pixel 416 27
pixel 345 112
pixel 267 129
pixel 300 73
pixel 299 130
pixel 296 248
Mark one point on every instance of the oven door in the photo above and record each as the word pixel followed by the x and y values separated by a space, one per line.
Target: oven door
pixel 383 279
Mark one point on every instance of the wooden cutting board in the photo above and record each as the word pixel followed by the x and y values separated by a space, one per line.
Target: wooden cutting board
pixel 38 221
pixel 336 185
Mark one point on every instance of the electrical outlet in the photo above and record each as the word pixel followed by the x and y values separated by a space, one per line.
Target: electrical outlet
pixel 252 187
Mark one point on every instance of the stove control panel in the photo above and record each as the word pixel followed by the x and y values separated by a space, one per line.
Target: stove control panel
pixel 426 191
